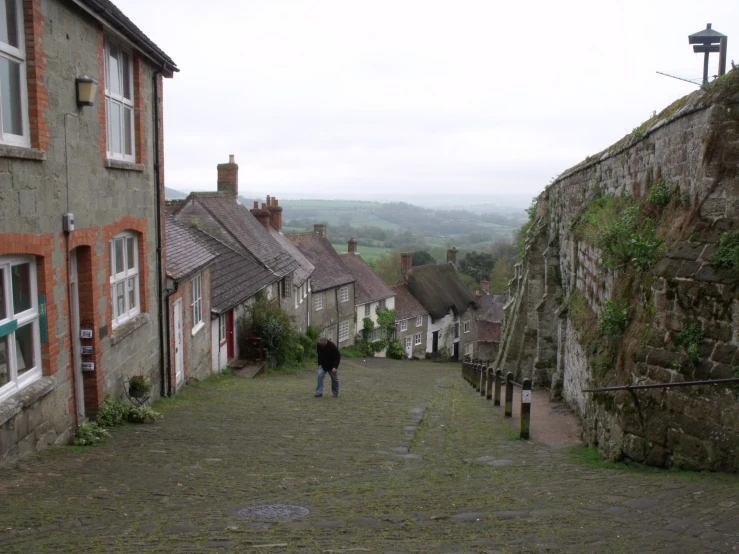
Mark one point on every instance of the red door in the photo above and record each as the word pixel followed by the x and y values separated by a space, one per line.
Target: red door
pixel 230 334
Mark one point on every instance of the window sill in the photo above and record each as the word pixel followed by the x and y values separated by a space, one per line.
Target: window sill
pixel 111 163
pixel 24 398
pixel 22 153
pixel 122 331
pixel 197 328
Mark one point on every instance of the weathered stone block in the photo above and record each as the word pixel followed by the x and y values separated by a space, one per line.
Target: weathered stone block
pixel 686 251
pixel 688 270
pixel 663 358
pixel 722 371
pixel 724 353
pixel 635 447
pixel 657 456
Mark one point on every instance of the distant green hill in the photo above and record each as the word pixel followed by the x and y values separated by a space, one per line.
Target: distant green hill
pixel 172 194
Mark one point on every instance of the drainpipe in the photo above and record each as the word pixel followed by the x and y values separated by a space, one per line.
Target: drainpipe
pixel 165 387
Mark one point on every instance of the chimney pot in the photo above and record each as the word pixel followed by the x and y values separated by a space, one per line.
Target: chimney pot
pixel 352 245
pixel 451 256
pixel 275 212
pixel 231 158
pixel 256 205
pixel 319 229
pixel 485 285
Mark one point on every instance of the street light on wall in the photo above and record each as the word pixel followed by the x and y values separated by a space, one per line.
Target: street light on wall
pixel 86 90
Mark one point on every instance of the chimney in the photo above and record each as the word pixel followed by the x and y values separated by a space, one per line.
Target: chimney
pixel 262 215
pixel 485 285
pixel 352 245
pixel 319 229
pixel 406 263
pixel 451 256
pixel 275 213
pixel 228 177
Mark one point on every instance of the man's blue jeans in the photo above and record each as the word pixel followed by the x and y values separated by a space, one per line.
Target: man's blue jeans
pixel 334 381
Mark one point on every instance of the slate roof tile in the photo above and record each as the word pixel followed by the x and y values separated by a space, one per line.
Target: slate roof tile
pixel 369 286
pixel 185 249
pixel 329 271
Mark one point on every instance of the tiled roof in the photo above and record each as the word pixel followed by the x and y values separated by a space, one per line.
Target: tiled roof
pixel 369 287
pixel 305 268
pixel 109 12
pixel 438 288
pixel 185 250
pixel 329 272
pixel 492 308
pixel 235 276
pixel 247 231
pixel 406 306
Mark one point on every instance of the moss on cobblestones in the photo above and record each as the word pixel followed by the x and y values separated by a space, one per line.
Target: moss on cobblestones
pixel 407 459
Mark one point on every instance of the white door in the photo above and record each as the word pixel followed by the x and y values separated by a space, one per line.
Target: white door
pixel 76 349
pixel 409 346
pixel 179 365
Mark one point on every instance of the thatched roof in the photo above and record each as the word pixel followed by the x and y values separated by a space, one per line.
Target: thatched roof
pixel 439 288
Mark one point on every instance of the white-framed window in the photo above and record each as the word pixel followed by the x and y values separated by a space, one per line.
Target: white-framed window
pixel 466 326
pixel 119 108
pixel 468 349
pixel 318 301
pixel 287 286
pixel 378 333
pixel 297 296
pixel 343 331
pixel 381 305
pixel 222 328
pixel 124 277
pixel 344 294
pixel 417 339
pixel 197 301
pixel 419 321
pixel 456 330
pixel 404 325
pixel 20 341
pixel 367 310
pixel 305 290
pixel 14 127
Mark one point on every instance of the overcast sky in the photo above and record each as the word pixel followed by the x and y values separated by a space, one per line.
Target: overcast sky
pixel 350 98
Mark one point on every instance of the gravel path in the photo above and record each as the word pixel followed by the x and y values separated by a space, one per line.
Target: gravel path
pixel 408 459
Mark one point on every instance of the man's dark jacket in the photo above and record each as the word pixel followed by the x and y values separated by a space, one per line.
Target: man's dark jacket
pixel 329 356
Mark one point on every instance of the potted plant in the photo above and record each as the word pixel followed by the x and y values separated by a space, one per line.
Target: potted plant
pixel 138 386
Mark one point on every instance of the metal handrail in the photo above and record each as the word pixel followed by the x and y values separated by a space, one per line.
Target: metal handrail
pixel 666 385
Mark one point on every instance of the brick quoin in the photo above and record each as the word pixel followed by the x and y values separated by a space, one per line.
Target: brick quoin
pixel 139 109
pixel 103 141
pixel 38 95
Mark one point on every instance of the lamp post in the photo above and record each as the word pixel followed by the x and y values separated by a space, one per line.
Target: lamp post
pixel 707 41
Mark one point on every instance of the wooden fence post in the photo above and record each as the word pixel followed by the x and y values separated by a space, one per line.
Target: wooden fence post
pixel 509 395
pixel 489 389
pixel 525 408
pixel 498 380
pixel 483 379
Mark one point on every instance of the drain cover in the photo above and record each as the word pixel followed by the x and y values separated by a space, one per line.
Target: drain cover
pixel 272 512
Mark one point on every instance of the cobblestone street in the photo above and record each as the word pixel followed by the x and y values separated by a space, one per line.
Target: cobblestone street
pixel 407 459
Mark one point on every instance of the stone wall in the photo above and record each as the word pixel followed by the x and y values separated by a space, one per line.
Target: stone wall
pixel 693 147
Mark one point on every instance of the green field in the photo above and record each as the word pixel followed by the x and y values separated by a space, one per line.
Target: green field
pixel 335 212
pixel 368 253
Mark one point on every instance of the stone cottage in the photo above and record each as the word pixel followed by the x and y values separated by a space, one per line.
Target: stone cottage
pixel 411 321
pixel 188 267
pixel 332 287
pixel 81 218
pixel 371 293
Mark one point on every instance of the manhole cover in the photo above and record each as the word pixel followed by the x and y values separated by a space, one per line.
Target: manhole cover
pixel 272 512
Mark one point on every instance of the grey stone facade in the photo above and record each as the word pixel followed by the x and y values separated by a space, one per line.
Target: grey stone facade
pixel 334 313
pixel 66 170
pixel 417 350
pixel 693 148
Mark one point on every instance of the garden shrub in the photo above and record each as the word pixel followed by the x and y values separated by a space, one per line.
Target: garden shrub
pixel 690 338
pixel 113 412
pixel 659 194
pixel 613 320
pixel 89 433
pixel 727 253
pixel 395 350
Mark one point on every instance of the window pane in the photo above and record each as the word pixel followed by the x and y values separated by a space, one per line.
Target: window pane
pixel 114 84
pixel 10 91
pixel 131 293
pixel 25 353
pixel 119 267
pixel 9 22
pixel 114 120
pixel 131 252
pixel 21 287
pixel 120 298
pixel 3 302
pixel 4 361
pixel 126 75
pixel 128 131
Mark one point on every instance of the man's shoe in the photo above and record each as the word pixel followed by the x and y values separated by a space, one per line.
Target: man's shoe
pixel 318 394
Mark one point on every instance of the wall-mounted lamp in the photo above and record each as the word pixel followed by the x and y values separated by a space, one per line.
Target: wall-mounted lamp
pixel 86 90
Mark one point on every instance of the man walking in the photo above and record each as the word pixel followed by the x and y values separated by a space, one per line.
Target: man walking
pixel 329 358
